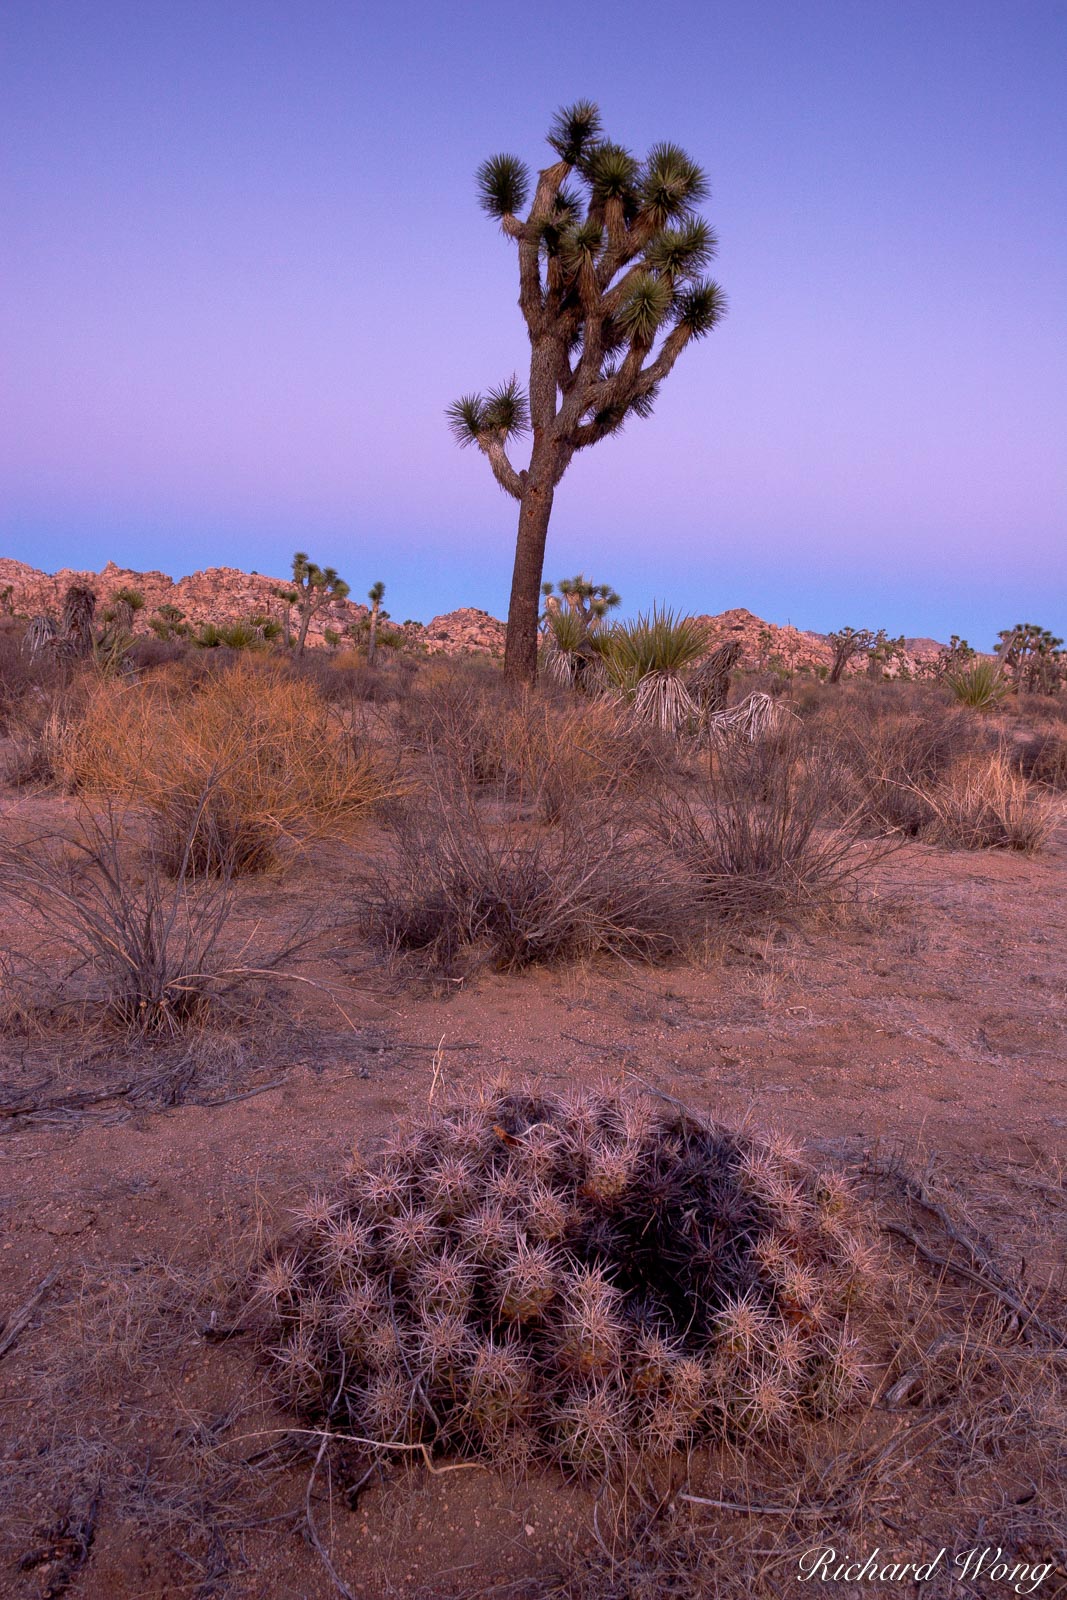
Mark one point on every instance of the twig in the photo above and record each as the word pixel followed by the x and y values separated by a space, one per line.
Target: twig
pixel 438 1058
pixel 661 1094
pixel 605 1049
pixel 19 1319
pixel 228 1100
pixel 1028 1318
pixel 762 1511
pixel 983 1272
pixel 73 1102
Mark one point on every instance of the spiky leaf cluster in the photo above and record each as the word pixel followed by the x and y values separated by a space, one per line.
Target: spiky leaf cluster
pixel 612 255
pixel 577 1279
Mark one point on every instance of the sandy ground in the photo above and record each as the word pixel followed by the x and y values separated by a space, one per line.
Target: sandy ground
pixel 931 1023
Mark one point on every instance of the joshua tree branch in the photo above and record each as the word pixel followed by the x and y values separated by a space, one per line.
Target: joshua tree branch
pixel 505 474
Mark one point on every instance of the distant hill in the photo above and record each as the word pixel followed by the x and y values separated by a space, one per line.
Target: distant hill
pixel 224 595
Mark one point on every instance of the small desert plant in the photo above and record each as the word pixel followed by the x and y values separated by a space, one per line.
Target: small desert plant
pixel 141 945
pixel 461 888
pixel 894 757
pixel 587 1280
pixel 1043 759
pixel 763 834
pixel 541 751
pixel 983 803
pixel 981 685
pixel 573 651
pixel 646 660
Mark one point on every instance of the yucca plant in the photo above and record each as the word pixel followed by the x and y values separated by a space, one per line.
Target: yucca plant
pixel 980 685
pixel 612 253
pixel 645 660
pixel 574 650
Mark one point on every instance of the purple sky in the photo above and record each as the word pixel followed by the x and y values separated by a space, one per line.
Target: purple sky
pixel 244 272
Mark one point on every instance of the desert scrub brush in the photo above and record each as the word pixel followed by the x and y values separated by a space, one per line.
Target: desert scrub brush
pixel 574 1279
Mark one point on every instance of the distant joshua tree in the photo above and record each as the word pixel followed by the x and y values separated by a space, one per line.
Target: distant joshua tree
pixel 611 290
pixel 1033 656
pixel 590 601
pixel 315 587
pixel 375 594
pixel 847 643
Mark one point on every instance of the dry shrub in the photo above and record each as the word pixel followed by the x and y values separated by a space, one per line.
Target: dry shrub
pixel 344 677
pixel 583 1280
pixel 1043 759
pixel 546 750
pixel 462 886
pixel 20 678
pixel 983 803
pixel 128 938
pixel 253 756
pixel 894 758
pixel 761 834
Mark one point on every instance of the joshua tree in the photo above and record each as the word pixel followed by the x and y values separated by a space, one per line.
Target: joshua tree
pixel 589 600
pixel 375 594
pixel 846 643
pixel 1033 656
pixel 315 587
pixel 288 599
pixel 611 291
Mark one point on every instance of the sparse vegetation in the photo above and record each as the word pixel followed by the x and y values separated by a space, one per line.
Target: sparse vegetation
pixel 983 802
pixel 714 913
pixel 763 835
pixel 255 758
pixel 134 938
pixel 461 887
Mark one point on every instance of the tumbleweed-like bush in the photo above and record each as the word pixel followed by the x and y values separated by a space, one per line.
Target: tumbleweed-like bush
pixel 582 1280
pixel 983 803
pixel 247 757
pixel 763 834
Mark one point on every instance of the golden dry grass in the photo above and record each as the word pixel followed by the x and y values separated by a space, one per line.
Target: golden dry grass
pixel 984 802
pixel 258 756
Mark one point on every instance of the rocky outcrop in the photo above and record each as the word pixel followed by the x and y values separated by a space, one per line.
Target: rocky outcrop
pixel 766 646
pixel 224 595
pixel 465 632
pixel 219 595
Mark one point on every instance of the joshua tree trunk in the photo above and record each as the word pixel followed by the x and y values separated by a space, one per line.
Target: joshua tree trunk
pixel 535 511
pixel 372 641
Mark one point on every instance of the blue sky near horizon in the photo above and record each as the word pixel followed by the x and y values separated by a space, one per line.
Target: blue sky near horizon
pixel 244 272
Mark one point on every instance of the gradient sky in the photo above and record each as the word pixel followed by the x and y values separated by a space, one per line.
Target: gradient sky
pixel 244 272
